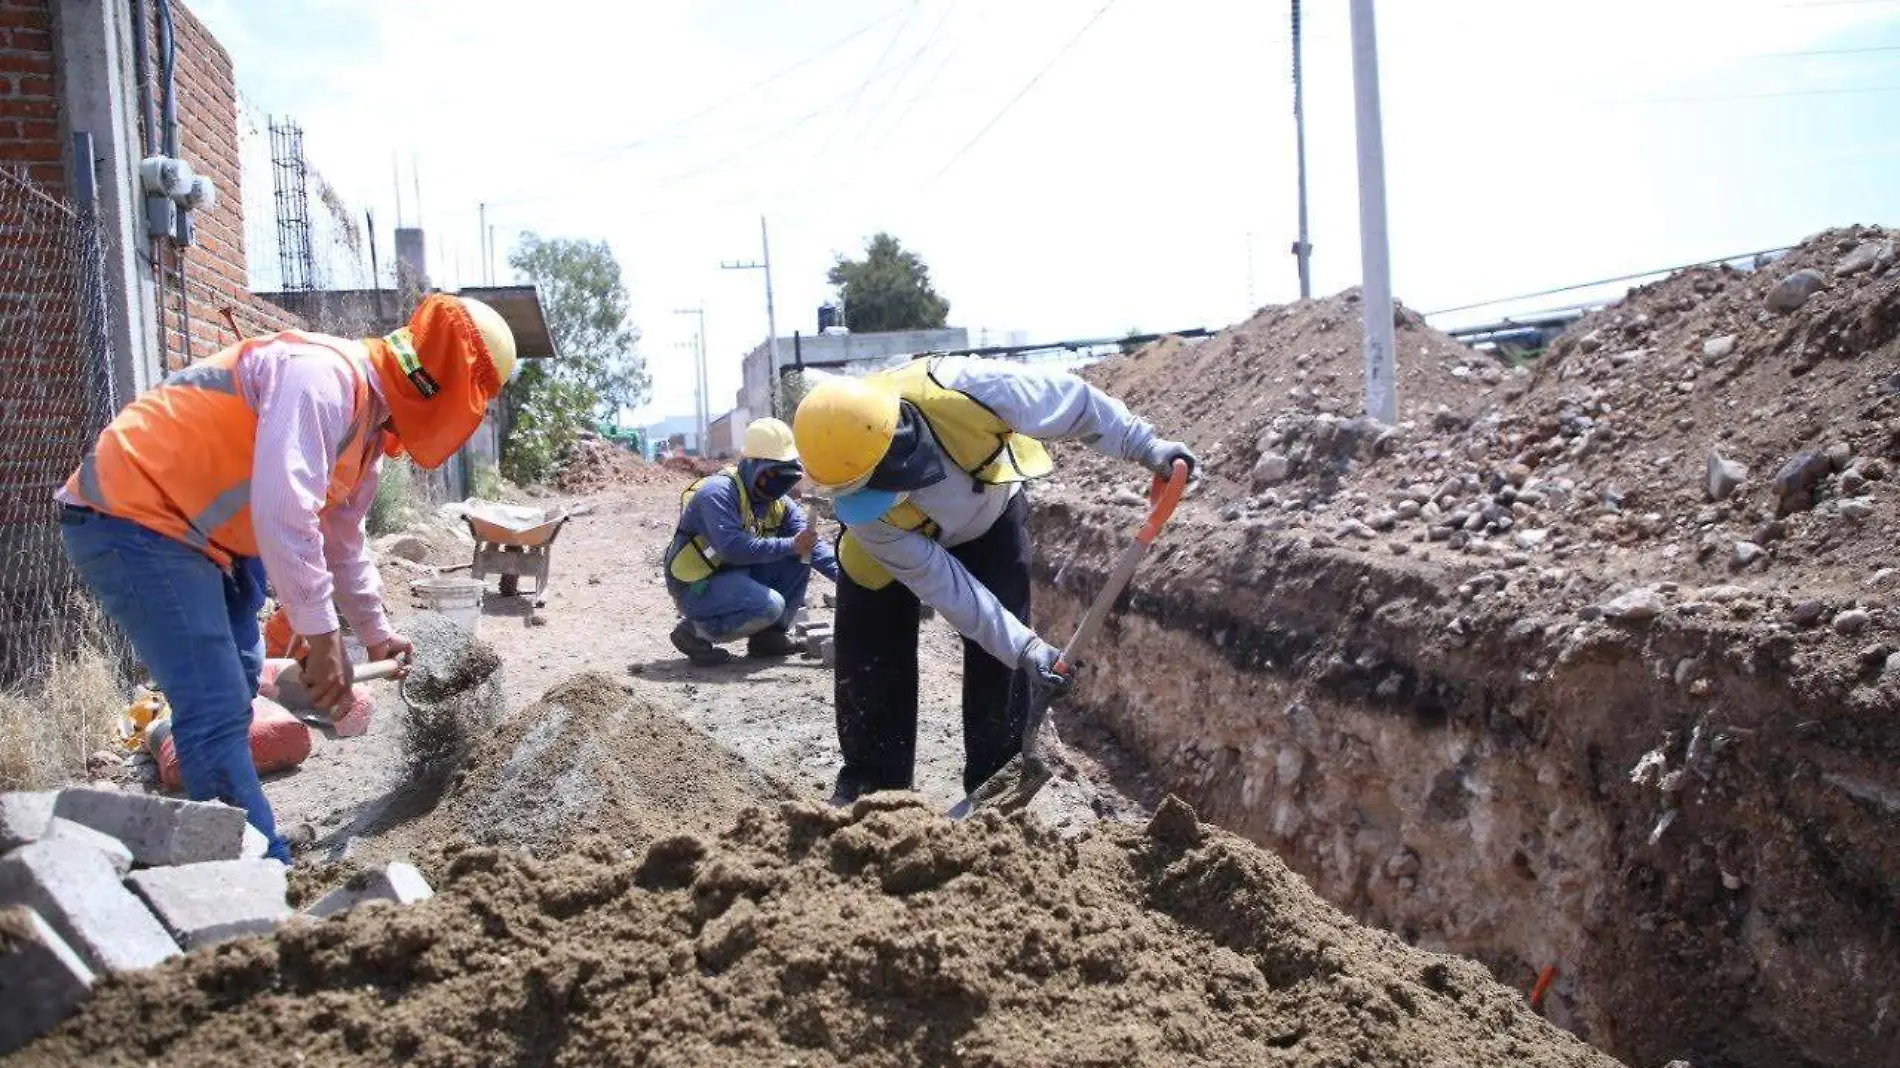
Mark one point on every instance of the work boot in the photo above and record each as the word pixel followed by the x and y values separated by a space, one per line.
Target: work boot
pixel 772 641
pixel 697 649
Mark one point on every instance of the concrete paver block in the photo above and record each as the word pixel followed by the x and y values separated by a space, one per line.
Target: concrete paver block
pixel 41 979
pixel 397 882
pixel 25 817
pixel 255 844
pixel 202 904
pixel 76 889
pixel 158 830
pixel 79 834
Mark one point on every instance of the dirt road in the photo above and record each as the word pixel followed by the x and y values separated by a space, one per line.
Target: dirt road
pixel 607 610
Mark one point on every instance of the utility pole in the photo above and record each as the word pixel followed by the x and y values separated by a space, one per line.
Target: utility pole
pixel 771 314
pixel 1302 248
pixel 491 254
pixel 1382 387
pixel 481 237
pixel 701 408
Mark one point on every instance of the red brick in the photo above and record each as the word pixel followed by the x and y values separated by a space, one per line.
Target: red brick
pixel 26 16
pixel 26 62
pixel 16 108
pixel 30 40
pixel 32 152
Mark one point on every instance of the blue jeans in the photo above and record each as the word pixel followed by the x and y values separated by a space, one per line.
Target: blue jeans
pixel 738 602
pixel 195 629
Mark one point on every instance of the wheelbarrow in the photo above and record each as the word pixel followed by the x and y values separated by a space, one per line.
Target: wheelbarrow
pixel 513 542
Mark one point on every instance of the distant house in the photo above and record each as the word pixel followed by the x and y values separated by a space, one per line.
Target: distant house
pixel 834 350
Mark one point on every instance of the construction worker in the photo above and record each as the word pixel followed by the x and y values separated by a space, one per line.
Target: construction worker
pixel 743 553
pixel 928 463
pixel 267 455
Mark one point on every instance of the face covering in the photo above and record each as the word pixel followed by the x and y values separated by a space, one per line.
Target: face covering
pixel 777 480
pixel 913 461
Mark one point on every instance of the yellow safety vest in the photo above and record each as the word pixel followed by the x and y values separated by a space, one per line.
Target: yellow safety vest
pixel 976 439
pixel 696 558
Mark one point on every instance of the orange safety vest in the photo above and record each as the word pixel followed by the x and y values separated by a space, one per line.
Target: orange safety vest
pixel 178 459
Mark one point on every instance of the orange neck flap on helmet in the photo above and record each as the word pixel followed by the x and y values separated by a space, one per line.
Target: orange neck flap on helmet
pixel 437 378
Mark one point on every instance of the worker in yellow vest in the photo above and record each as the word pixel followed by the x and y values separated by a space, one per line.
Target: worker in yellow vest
pixel 742 554
pixel 266 456
pixel 929 464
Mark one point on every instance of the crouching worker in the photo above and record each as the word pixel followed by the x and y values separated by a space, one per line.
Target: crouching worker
pixel 928 463
pixel 267 456
pixel 743 554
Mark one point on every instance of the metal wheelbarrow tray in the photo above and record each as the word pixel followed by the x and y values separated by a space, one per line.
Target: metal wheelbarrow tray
pixel 513 542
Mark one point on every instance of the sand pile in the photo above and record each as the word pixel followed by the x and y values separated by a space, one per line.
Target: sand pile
pixel 883 935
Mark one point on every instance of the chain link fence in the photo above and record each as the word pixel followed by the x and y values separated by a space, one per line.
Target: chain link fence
pixel 56 393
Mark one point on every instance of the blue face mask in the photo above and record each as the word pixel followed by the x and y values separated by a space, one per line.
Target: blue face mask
pixel 776 481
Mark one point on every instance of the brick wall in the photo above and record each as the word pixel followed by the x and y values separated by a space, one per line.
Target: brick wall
pixel 29 104
pixel 215 267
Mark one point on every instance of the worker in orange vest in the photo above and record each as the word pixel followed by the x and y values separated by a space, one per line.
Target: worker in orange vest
pixel 267 456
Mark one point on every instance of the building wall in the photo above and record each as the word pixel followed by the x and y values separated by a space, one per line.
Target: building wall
pixel 756 392
pixel 216 278
pixel 29 105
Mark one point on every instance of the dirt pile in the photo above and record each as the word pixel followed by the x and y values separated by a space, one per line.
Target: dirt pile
pixel 594 758
pixel 1506 679
pixel 882 935
pixel 593 463
pixel 1708 429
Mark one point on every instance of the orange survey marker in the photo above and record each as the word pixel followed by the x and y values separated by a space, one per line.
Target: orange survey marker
pixel 1016 783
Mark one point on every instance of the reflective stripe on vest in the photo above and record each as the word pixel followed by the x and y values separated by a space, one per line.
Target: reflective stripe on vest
pixel 696 558
pixel 177 460
pixel 975 438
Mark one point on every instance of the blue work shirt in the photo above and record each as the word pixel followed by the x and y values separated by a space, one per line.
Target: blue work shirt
pixel 713 513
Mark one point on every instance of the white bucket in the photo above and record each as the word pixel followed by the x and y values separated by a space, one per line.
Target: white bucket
pixel 458 599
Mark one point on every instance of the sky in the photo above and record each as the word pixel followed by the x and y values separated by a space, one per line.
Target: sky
pixel 1080 168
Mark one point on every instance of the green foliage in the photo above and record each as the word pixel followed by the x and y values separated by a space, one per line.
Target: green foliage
pixel 792 387
pixel 595 372
pixel 889 289
pixel 395 495
pixel 485 482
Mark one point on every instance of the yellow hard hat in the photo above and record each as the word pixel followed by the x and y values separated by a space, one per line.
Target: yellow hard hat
pixel 496 336
pixel 844 427
pixel 769 439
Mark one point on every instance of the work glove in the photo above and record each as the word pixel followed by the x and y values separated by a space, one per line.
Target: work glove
pixel 1161 455
pixel 1040 660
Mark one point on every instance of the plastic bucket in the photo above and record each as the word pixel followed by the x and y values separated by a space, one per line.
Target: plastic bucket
pixel 458 599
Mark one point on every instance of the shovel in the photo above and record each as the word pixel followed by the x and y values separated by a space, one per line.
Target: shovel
pixel 1015 784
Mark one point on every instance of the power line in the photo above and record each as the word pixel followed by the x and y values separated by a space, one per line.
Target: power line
pixel 871 75
pixel 1714 97
pixel 922 92
pixel 1608 281
pixel 1024 91
pixel 909 65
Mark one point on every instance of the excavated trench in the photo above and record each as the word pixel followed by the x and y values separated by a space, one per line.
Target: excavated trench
pixel 1683 818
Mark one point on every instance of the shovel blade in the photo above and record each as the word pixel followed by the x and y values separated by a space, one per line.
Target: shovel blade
pixel 1011 789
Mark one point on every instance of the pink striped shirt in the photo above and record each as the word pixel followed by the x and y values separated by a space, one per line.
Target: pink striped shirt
pixel 317 558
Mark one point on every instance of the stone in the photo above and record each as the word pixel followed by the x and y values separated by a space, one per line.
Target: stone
pixel 397 883
pixel 1717 349
pixel 1725 476
pixel 158 830
pixel 1795 482
pixel 1517 474
pixel 25 817
pixel 255 844
pixel 111 848
pixel 1272 468
pixel 1857 507
pixel 1747 552
pixel 1792 292
pixel 1409 509
pixel 404 547
pixel 41 979
pixel 203 904
pixel 1124 495
pixel 1852 482
pixel 1231 511
pixel 1839 455
pixel 76 890
pixel 1864 257
pixel 1530 539
pixel 1635 606
pixel 1873 469
pixel 1852 621
pixel 1383 520
pixel 1808 613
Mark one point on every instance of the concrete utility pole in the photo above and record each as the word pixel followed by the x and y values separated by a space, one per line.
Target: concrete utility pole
pixel 701 410
pixel 1302 249
pixel 771 313
pixel 1382 387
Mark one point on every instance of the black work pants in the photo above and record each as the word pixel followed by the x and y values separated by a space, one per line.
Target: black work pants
pixel 876 684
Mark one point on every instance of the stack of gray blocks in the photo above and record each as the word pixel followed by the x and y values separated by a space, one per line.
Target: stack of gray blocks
pixel 98 881
pixel 816 637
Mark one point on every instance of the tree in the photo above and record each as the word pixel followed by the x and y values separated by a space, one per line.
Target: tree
pixel 889 289
pixel 595 372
